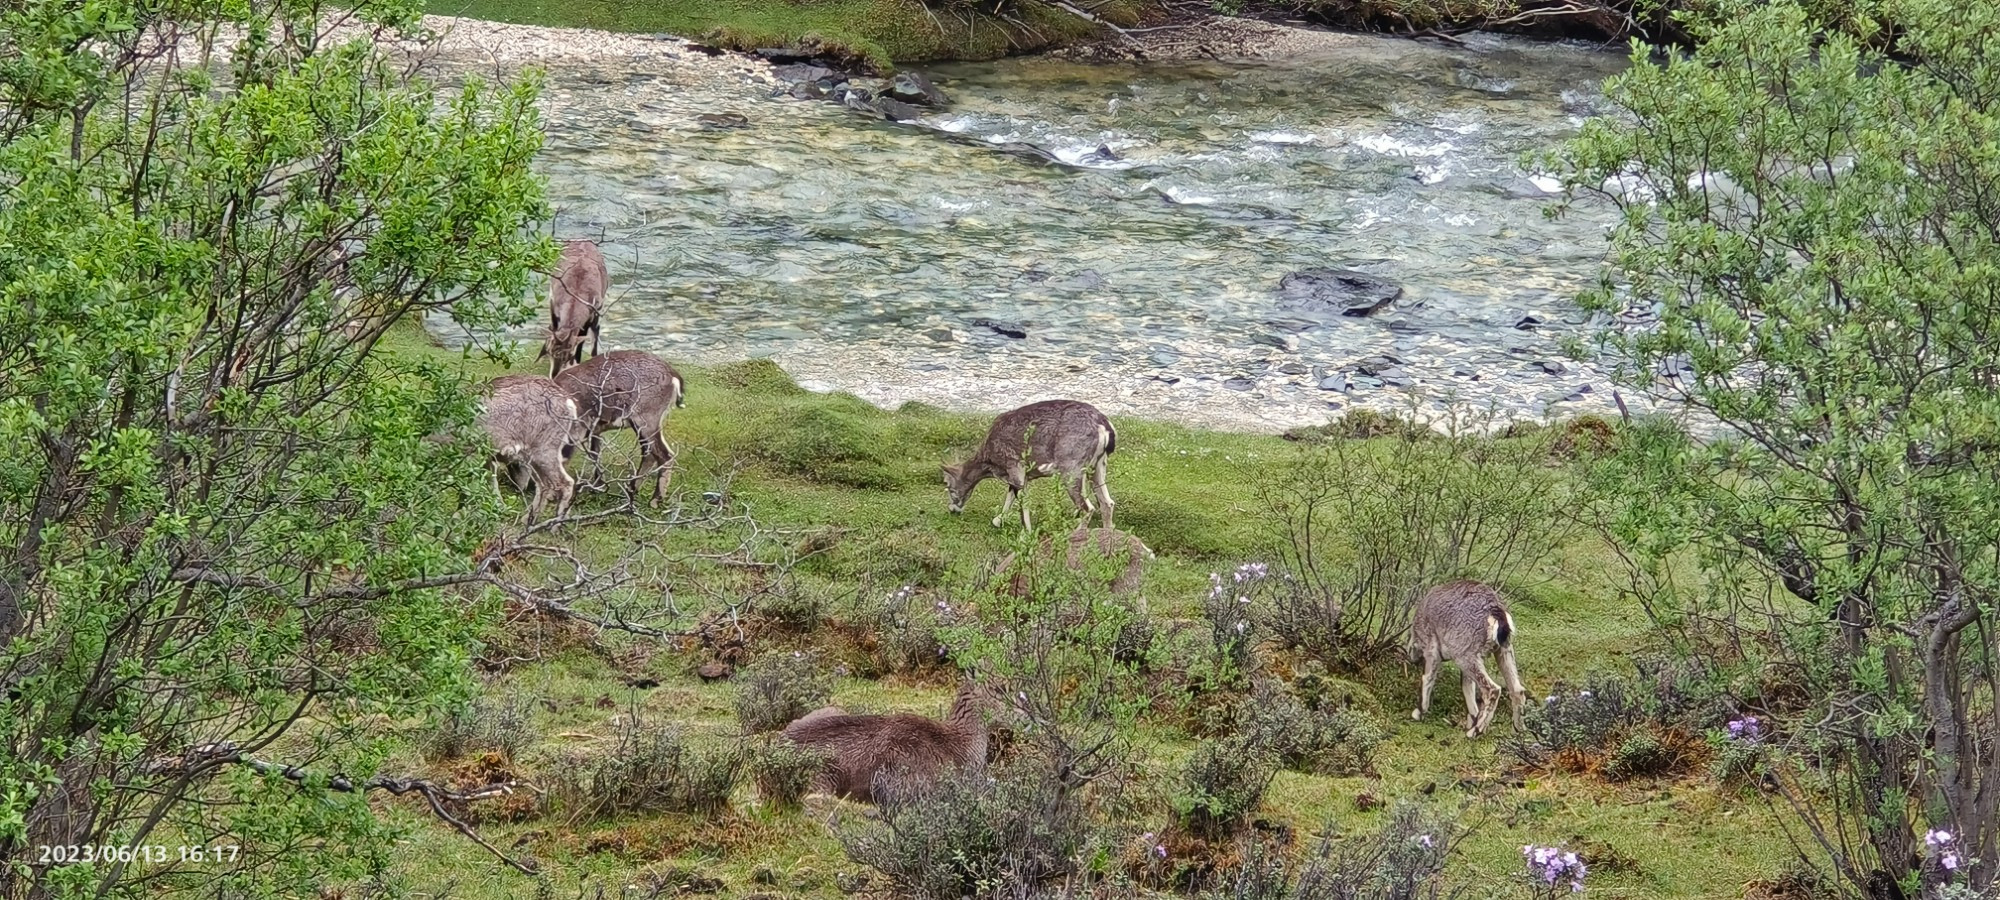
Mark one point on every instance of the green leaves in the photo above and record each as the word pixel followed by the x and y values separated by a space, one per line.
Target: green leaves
pixel 219 502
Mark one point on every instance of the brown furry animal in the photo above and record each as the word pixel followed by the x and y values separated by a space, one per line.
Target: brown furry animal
pixel 1462 621
pixel 870 753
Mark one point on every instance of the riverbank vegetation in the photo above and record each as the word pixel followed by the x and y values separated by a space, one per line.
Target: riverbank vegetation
pixel 260 585
pixel 875 33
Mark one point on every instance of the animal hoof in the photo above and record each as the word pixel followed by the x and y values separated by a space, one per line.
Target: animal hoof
pixel 996 521
pixel 1416 715
pixel 1472 732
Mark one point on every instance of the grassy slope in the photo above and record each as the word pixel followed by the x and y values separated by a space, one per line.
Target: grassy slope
pixel 880 31
pixel 1188 494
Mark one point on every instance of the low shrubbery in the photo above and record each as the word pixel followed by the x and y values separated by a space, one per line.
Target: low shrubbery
pixel 783 771
pixel 1404 860
pixel 974 835
pixel 1610 725
pixel 651 768
pixel 484 725
pixel 1327 739
pixel 779 688
pixel 1223 783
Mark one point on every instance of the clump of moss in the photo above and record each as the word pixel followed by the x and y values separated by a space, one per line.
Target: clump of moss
pixel 829 440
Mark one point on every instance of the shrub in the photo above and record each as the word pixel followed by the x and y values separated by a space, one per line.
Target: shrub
pixel 1639 755
pixel 1232 634
pixel 1223 783
pixel 779 688
pixel 1404 860
pixel 483 725
pixel 903 630
pixel 651 769
pixel 974 835
pixel 783 771
pixel 1578 721
pixel 1050 646
pixel 1323 740
pixel 1364 527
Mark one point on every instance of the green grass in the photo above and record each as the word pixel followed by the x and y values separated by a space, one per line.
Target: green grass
pixel 879 32
pixel 865 483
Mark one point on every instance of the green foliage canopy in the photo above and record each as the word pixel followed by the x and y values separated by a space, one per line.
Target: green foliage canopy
pixel 225 519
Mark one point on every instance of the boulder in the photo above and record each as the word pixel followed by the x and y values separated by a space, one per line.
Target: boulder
pixel 1343 292
pixel 1013 330
pixel 897 110
pixel 722 121
pixel 913 87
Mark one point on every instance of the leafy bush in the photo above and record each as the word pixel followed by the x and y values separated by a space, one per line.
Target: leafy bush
pixel 1364 527
pixel 1404 860
pixel 974 835
pixel 1223 783
pixel 1232 634
pixel 783 771
pixel 1619 727
pixel 779 688
pixel 1050 646
pixel 651 769
pixel 1323 740
pixel 483 725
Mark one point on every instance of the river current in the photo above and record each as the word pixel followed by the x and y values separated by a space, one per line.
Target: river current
pixel 904 263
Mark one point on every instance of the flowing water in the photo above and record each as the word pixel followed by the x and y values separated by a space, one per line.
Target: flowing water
pixel 864 256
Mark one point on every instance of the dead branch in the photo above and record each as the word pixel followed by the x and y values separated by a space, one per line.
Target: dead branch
pixel 211 757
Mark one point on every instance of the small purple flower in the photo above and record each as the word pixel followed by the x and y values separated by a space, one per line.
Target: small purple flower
pixel 1949 861
pixel 1160 850
pixel 1937 838
pixel 1424 840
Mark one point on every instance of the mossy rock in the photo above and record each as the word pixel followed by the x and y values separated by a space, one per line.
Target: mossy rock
pixel 758 375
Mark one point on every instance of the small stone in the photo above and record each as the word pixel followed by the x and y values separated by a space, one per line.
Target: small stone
pixel 1527 323
pixel 898 111
pixel 713 670
pixel 1552 367
pixel 1335 382
pixel 1464 372
pixel 941 335
pixel 1581 389
pixel 1292 368
pixel 1165 358
pixel 1285 342
pixel 1239 383
pixel 722 121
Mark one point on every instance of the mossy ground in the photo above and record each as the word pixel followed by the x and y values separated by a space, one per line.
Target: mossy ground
pixel 869 479
pixel 881 32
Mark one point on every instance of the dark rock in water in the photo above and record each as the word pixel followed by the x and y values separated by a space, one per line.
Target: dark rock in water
pixel 1281 341
pixel 1463 372
pixel 1581 389
pixel 1343 291
pixel 1293 326
pixel 1008 329
pixel 1239 384
pixel 1552 367
pixel 1168 379
pixel 913 87
pixel 1165 358
pixel 782 55
pixel 941 335
pixel 796 73
pixel 808 90
pixel 1527 323
pixel 1031 275
pixel 898 110
pixel 1397 378
pixel 722 121
pixel 1103 153
pixel 1336 382
pixel 1376 365
pixel 1292 368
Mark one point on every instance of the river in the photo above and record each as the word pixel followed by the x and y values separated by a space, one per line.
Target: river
pixel 862 256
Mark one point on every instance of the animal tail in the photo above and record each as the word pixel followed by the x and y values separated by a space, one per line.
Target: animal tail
pixel 1107 437
pixel 680 392
pixel 1499 626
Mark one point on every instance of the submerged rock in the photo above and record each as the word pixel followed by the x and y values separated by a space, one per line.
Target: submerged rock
pixel 1341 291
pixel 1013 330
pixel 897 110
pixel 722 121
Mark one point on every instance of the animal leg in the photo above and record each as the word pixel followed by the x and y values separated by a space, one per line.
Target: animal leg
pixel 1104 503
pixel 1471 689
pixel 661 455
pixel 1429 679
pixel 1516 694
pixel 552 472
pixel 1006 505
pixel 1489 695
pixel 1075 484
pixel 596 452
